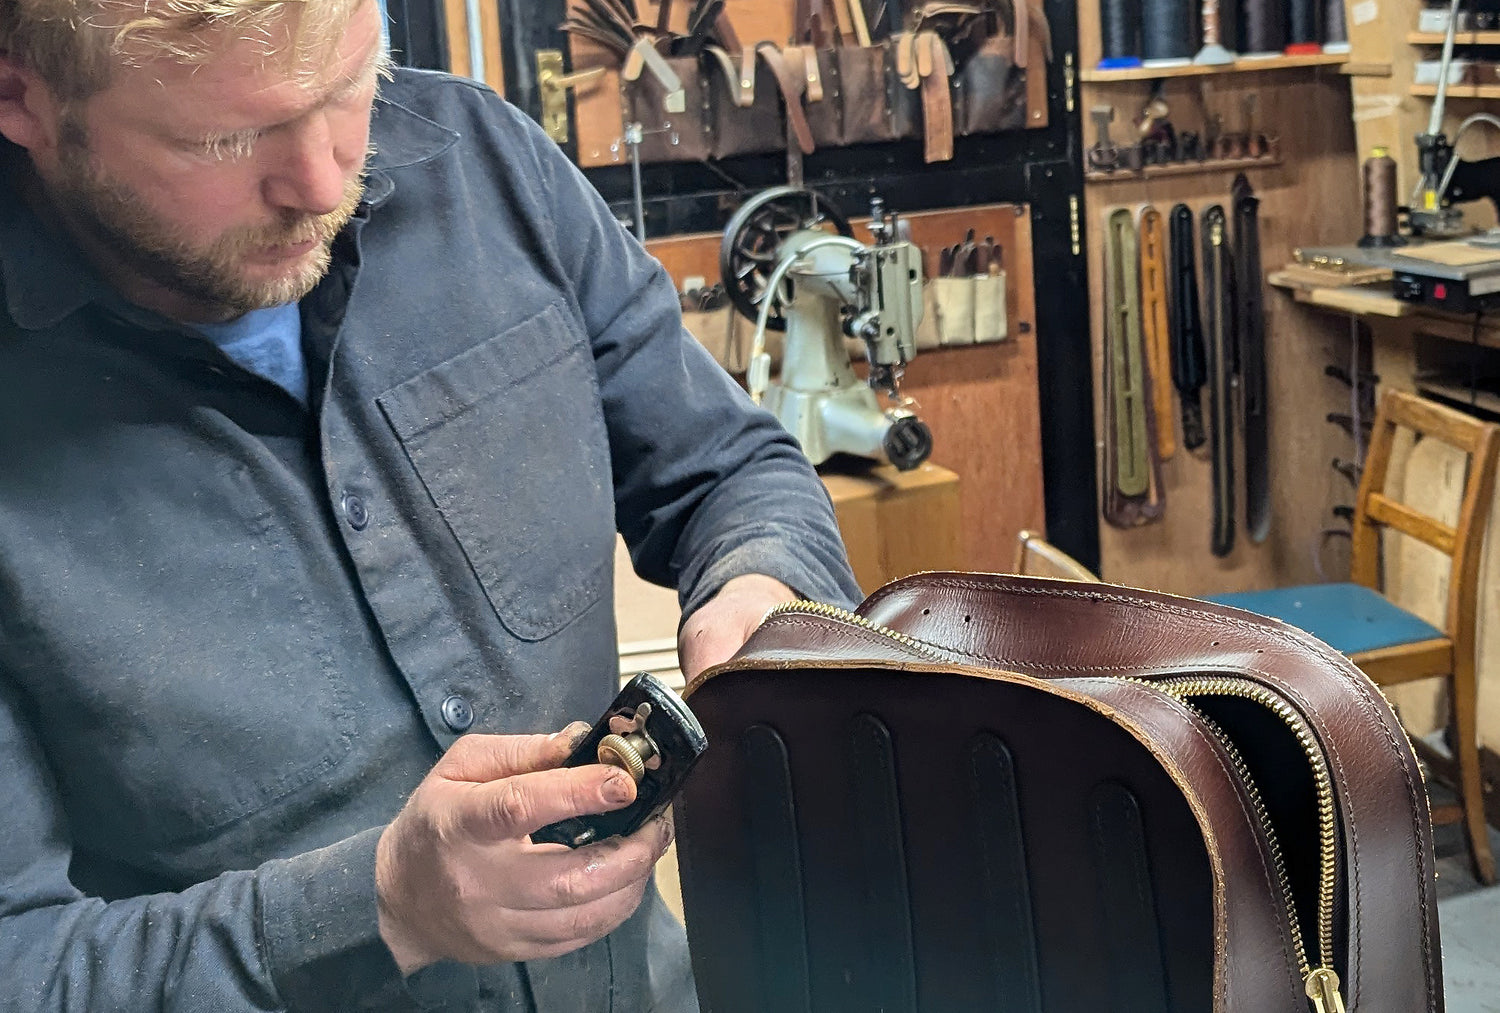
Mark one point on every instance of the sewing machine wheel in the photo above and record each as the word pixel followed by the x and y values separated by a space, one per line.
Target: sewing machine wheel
pixel 753 240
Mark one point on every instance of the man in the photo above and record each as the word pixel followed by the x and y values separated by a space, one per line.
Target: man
pixel 318 413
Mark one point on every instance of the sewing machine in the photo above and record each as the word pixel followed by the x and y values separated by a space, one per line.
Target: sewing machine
pixel 785 270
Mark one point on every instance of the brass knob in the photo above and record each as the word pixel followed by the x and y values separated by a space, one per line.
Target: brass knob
pixel 628 752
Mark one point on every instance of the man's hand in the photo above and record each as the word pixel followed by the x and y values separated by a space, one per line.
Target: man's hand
pixel 718 629
pixel 457 879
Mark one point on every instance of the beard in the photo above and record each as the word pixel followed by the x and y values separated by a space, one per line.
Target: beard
pixel 215 275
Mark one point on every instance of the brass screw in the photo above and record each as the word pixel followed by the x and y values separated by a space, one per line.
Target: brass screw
pixel 625 752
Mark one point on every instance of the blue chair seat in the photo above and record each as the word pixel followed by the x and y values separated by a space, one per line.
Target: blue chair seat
pixel 1350 618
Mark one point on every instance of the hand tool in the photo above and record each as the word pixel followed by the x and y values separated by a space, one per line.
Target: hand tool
pixel 1218 303
pixel 1250 344
pixel 650 734
pixel 1189 371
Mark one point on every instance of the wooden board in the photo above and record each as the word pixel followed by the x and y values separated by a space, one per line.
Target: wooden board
pixel 1309 109
pixel 981 401
pixel 598 123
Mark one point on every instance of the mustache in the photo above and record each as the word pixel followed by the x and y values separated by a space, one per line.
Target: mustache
pixel 293 229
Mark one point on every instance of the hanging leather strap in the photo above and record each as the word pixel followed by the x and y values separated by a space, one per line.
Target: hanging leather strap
pixel 1134 494
pixel 739 77
pixel 1218 306
pixel 792 83
pixel 934 65
pixel 1189 371
pixel 1155 327
pixel 1250 343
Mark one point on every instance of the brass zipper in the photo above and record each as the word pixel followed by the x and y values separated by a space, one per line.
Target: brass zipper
pixel 1321 982
pixel 843 615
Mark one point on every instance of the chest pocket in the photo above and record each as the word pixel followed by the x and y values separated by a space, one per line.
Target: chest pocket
pixel 509 440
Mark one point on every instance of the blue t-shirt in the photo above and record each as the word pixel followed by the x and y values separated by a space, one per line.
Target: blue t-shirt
pixel 268 343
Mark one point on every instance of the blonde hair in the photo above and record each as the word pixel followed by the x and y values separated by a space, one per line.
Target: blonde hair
pixel 75 44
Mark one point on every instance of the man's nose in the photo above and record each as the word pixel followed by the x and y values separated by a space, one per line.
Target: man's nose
pixel 310 173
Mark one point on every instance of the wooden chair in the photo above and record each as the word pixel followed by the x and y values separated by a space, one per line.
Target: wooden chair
pixel 1388 643
pixel 1037 557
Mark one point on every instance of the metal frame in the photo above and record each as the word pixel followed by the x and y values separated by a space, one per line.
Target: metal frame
pixel 1040 167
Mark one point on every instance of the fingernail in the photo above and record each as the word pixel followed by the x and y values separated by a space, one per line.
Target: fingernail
pixel 617 789
pixel 669 831
pixel 574 734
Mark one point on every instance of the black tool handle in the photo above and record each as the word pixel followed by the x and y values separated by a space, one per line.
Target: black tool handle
pixel 679 742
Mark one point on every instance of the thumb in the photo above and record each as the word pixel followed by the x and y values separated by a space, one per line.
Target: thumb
pixel 481 758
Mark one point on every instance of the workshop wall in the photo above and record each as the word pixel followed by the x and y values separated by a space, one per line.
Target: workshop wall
pixel 1310 197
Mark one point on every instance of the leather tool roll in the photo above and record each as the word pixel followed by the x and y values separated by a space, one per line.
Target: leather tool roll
pixel 1189 372
pixel 1250 345
pixel 789 71
pixel 1155 326
pixel 687 136
pixel 1218 322
pixel 985 793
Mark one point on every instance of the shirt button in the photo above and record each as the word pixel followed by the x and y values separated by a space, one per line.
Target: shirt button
pixel 457 713
pixel 355 512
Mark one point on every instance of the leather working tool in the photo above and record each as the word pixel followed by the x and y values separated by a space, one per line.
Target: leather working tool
pixel 785 272
pixel 1189 370
pixel 1218 320
pixel 1250 356
pixel 981 792
pixel 1133 492
pixel 1155 325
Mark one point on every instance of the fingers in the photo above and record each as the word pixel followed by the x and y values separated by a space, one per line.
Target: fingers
pixel 555 932
pixel 562 879
pixel 491 757
pixel 517 805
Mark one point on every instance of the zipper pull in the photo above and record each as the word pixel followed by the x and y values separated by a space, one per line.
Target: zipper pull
pixel 1323 990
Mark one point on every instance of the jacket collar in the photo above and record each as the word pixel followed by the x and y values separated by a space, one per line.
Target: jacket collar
pixel 46 278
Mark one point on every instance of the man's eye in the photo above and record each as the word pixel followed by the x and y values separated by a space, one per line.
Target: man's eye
pixel 227 149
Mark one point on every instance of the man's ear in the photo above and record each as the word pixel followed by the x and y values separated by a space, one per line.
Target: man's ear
pixel 29 112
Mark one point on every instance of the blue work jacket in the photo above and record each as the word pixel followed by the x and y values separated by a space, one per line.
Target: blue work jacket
pixel 235 632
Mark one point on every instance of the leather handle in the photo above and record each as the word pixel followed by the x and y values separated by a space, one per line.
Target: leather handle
pixel 935 65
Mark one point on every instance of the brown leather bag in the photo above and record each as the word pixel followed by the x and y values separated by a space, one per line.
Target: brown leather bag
pixel 1006 793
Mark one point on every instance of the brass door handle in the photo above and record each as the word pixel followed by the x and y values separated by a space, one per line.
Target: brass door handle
pixel 553 85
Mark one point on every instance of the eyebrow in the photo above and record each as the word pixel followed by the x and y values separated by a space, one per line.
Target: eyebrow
pixel 239 141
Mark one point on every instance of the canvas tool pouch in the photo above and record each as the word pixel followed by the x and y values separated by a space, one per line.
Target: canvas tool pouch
pixel 746 104
pixel 671 137
pixel 980 792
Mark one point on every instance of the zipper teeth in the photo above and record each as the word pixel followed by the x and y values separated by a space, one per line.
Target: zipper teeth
pixel 1327 818
pixel 818 608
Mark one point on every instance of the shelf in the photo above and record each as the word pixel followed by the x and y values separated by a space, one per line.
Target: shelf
pixel 1458 90
pixel 1459 393
pixel 1461 39
pixel 1181 169
pixel 1242 66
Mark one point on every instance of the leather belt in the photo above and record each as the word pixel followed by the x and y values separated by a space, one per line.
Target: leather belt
pixel 1155 326
pixel 1188 369
pixel 1250 352
pixel 1218 303
pixel 1133 490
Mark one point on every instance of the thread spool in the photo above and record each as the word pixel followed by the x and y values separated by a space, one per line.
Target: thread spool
pixel 1379 172
pixel 1304 29
pixel 1119 33
pixel 1263 26
pixel 1167 31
